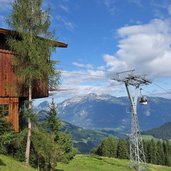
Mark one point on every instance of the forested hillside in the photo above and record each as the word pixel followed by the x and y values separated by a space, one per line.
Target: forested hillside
pixel 162 132
pixel 156 152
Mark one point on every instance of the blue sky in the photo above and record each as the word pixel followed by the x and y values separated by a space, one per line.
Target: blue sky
pixel 108 36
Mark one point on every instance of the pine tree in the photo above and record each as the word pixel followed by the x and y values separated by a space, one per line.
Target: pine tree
pixel 108 147
pixel 122 150
pixel 167 153
pixel 146 148
pixel 53 123
pixel 64 141
pixel 6 134
pixel 47 152
pixel 32 53
pixel 152 150
pixel 160 157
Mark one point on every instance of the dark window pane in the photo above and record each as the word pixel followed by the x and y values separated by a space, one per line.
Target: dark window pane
pixel 0 107
pixel 4 108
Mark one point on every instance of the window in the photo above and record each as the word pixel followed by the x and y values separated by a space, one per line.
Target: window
pixel 4 108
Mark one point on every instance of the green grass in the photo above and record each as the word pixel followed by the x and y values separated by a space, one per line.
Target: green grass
pixel 92 163
pixel 79 163
pixel 9 164
pixel 148 137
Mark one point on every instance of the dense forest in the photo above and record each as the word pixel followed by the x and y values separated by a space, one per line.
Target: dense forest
pixel 156 152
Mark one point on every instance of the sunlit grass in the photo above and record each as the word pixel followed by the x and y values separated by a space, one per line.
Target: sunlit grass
pixel 93 163
pixel 9 164
pixel 79 163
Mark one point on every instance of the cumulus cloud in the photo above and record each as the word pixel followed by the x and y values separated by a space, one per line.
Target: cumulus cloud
pixel 89 80
pixel 114 64
pixel 88 66
pixel 145 48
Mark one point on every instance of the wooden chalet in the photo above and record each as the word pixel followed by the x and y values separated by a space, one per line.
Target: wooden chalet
pixel 12 94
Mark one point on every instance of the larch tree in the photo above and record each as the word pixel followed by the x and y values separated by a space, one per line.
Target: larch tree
pixel 32 48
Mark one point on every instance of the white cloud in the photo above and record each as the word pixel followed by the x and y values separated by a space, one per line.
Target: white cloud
pixel 145 48
pixel 88 66
pixel 114 64
pixel 88 81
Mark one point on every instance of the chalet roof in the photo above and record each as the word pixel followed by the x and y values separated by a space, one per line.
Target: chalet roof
pixel 56 43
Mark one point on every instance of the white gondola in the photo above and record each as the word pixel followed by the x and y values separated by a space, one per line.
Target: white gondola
pixel 143 100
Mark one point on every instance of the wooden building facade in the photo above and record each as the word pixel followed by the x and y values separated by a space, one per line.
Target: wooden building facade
pixel 12 92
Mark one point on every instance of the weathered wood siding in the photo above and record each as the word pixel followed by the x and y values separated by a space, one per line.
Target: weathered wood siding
pixel 12 116
pixel 10 86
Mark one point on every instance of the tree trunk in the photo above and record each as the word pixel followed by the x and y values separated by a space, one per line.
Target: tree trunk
pixel 27 154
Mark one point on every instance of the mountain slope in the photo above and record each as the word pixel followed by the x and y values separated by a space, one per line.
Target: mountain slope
pixel 108 112
pixel 84 140
pixel 163 132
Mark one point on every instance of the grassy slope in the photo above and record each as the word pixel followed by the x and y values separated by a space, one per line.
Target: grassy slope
pixel 9 164
pixel 79 163
pixel 90 163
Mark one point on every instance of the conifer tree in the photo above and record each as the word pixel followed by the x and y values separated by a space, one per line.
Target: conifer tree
pixel 108 147
pixel 122 150
pixel 32 53
pixel 160 157
pixel 167 152
pixel 64 141
pixel 53 123
pixel 152 152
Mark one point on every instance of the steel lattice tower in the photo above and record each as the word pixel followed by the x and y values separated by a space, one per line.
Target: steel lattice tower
pixel 137 156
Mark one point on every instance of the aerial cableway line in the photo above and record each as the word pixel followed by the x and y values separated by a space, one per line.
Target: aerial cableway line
pixel 137 156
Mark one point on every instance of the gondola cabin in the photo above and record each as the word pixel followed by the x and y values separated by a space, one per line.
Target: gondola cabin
pixel 143 100
pixel 12 93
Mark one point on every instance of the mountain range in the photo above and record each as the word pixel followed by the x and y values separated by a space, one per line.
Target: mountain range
pixel 110 113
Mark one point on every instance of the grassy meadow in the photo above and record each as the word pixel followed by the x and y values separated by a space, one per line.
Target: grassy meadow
pixel 93 163
pixel 79 163
pixel 9 164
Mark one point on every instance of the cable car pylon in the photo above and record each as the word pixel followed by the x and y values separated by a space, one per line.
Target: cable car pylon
pixel 137 156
